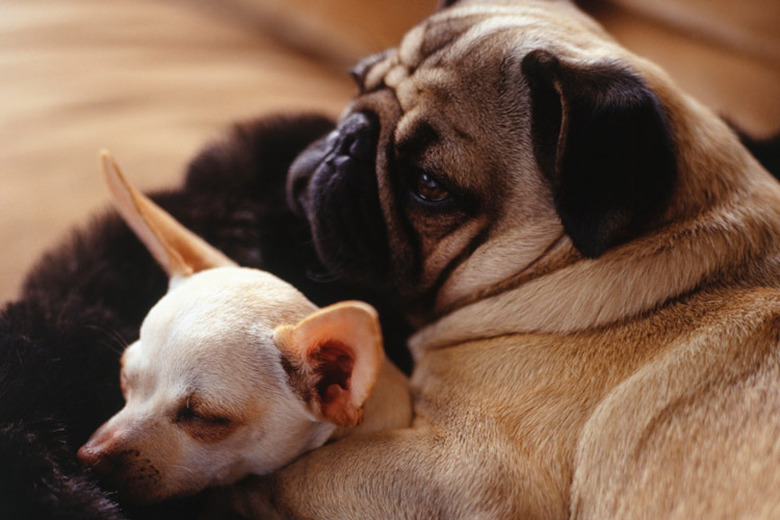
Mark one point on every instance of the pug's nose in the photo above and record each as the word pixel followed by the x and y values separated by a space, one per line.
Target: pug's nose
pixel 355 137
pixel 350 147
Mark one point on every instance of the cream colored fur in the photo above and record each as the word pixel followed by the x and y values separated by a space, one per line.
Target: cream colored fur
pixel 224 380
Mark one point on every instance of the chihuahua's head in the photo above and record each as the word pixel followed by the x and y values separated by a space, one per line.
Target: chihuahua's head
pixel 235 372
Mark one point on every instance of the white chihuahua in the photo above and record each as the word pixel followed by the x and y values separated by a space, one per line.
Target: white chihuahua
pixel 235 372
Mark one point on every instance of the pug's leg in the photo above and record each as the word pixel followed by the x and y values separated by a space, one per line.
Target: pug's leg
pixel 417 473
pixel 385 475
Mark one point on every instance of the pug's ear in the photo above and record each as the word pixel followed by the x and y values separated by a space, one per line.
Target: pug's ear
pixel 333 359
pixel 601 138
pixel 449 3
pixel 445 3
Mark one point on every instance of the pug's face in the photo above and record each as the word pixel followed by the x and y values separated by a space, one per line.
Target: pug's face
pixel 495 143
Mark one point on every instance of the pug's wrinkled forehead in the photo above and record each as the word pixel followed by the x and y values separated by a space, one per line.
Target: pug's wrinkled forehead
pixel 471 31
pixel 432 43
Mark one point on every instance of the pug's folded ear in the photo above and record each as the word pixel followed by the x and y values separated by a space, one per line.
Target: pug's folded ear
pixel 601 138
pixel 446 3
pixel 333 359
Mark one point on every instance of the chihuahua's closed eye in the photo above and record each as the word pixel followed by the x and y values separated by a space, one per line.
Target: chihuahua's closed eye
pixel 235 372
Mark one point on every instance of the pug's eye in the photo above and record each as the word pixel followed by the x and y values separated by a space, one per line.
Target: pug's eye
pixel 429 188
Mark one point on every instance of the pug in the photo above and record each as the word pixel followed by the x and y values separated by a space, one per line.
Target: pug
pixel 592 262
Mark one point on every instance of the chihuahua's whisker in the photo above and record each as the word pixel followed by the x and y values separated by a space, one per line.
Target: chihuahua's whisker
pixel 112 348
pixel 118 338
pixel 168 466
pixel 116 342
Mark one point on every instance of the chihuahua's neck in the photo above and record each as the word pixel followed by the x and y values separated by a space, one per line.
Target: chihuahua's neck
pixel 388 407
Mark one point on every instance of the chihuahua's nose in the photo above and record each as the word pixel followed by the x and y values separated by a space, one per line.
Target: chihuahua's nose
pixel 99 453
pixel 94 457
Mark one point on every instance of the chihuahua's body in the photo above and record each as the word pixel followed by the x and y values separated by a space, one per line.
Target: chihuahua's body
pixel 235 372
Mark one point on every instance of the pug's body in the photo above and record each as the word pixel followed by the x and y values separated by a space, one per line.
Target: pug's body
pixel 593 262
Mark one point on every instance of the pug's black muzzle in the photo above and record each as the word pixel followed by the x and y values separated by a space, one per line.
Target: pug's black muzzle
pixel 333 183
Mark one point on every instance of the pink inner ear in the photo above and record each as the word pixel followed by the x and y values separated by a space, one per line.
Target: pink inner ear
pixel 334 362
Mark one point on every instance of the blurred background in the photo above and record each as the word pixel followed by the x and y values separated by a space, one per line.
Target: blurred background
pixel 155 80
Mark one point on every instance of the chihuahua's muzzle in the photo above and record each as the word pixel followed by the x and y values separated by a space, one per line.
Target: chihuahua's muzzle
pixel 125 470
pixel 334 184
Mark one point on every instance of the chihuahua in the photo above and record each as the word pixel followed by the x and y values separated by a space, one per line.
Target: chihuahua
pixel 235 372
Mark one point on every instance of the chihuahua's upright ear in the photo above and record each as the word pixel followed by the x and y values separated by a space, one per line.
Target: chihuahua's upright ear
pixel 333 359
pixel 178 250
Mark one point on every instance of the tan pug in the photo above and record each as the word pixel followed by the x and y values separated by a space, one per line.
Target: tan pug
pixel 235 372
pixel 594 263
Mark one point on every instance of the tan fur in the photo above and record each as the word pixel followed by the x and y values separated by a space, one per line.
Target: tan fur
pixel 644 383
